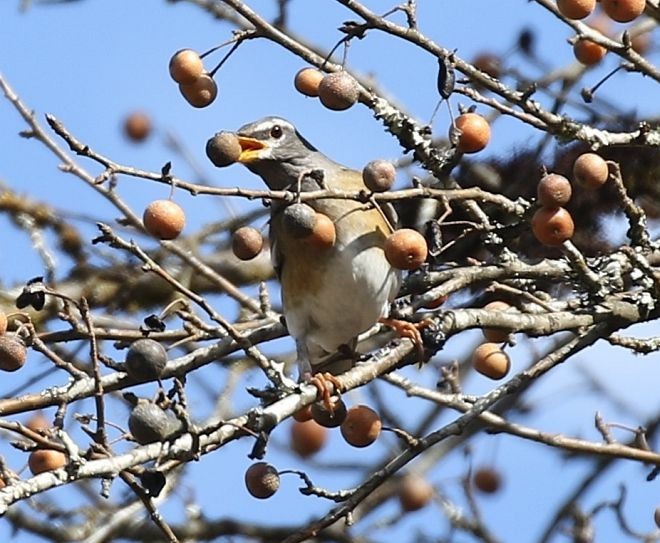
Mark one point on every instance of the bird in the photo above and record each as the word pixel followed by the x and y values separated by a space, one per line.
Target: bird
pixel 329 295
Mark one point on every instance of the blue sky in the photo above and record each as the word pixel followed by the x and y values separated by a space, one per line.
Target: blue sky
pixel 90 63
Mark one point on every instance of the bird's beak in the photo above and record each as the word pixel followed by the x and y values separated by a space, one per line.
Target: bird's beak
pixel 250 149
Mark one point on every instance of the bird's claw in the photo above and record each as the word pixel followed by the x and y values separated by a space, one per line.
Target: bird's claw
pixel 326 384
pixel 410 330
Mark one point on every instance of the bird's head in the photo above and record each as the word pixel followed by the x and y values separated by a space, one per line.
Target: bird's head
pixel 273 149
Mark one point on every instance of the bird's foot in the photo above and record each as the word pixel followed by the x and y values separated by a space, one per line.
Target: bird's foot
pixel 410 330
pixel 326 384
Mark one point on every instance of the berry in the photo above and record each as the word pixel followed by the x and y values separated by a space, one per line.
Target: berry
pixel 223 149
pixel 406 249
pixel 262 480
pixel 491 361
pixel 146 359
pixel 324 233
pixel 576 9
pixel 149 423
pixel 299 220
pixel 641 42
pixel 488 63
pixel 13 353
pixel 338 91
pixel 623 11
pixel 38 422
pixel 591 170
pixel 3 322
pixel 474 132
pixel 553 190
pixel 496 335
pixel 588 52
pixel 307 81
pixel 246 243
pixel 201 92
pixel 361 427
pixel 552 227
pixel 487 480
pixel 303 414
pixel 42 460
pixel 436 303
pixel 137 126
pixel 330 418
pixel 307 438
pixel 656 516
pixel 186 66
pixel 379 175
pixel 164 219
pixel 414 492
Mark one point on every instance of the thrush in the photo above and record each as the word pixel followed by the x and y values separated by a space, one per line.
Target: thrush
pixel 330 295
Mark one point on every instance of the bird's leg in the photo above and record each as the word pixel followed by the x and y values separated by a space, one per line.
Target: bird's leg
pixel 325 383
pixel 410 330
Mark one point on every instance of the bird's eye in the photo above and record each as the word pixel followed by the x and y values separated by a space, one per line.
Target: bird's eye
pixel 276 131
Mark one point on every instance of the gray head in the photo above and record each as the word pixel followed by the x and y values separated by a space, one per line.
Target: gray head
pixel 273 149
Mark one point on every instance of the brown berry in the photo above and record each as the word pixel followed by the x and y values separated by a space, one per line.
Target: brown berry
pixel 223 149
pixel 361 427
pixel 496 335
pixel 489 63
pixel 379 175
pixel 414 492
pixel 324 233
pixel 3 322
pixel 588 52
pixel 137 126
pixel 307 438
pixel 164 219
pixel 641 42
pixel 42 460
pixel 146 359
pixel 440 300
pixel 576 9
pixel 13 353
pixel 406 249
pixel 623 11
pixel 303 414
pixel 330 418
pixel 307 81
pixel 491 361
pixel 591 170
pixel 262 480
pixel 246 243
pixel 186 66
pixel 487 480
pixel 338 91
pixel 553 190
pixel 552 227
pixel 299 220
pixel 201 92
pixel 656 516
pixel 474 132
pixel 38 422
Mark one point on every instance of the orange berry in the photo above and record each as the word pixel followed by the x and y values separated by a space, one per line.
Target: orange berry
pixel 406 249
pixel 552 227
pixel 13 353
pixel 361 427
pixel 474 132
pixel 307 81
pixel 338 91
pixel 324 233
pixel 553 190
pixel 307 438
pixel 303 414
pixel 186 66
pixel 641 42
pixel 164 219
pixel 491 361
pixel 379 175
pixel 487 480
pixel 3 322
pixel 591 170
pixel 38 422
pixel 137 126
pixel 201 92
pixel 623 11
pixel 588 52
pixel 246 243
pixel 576 9
pixel 414 492
pixel 262 480
pixel 42 460
pixel 496 335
